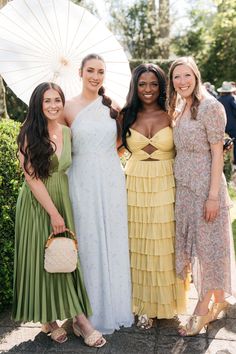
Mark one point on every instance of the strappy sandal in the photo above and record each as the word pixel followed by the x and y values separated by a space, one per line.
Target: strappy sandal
pixel 217 308
pixel 59 335
pixel 144 322
pixel 92 340
pixel 195 324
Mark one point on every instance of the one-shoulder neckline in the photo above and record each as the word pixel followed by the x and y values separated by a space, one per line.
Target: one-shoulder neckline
pixel 84 109
pixel 136 131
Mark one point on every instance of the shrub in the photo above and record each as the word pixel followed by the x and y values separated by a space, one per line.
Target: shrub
pixel 163 63
pixel 228 166
pixel 10 182
pixel 16 108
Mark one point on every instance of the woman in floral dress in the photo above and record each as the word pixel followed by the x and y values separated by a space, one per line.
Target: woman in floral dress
pixel 204 241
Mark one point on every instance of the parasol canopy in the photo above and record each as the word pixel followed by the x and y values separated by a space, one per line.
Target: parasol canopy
pixel 45 40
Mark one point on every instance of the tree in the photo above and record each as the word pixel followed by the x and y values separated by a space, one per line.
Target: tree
pixel 211 39
pixel 142 32
pixel 3 107
pixel 164 28
pixel 220 63
pixel 88 5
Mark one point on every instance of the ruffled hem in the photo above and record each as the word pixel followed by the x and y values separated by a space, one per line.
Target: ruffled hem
pixel 151 230
pixel 160 302
pixel 160 247
pixel 151 195
pixel 152 199
pixel 142 277
pixel 149 168
pixel 152 263
pixel 157 214
pixel 150 184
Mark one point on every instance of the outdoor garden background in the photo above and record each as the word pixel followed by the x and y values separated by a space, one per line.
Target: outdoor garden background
pixel 149 32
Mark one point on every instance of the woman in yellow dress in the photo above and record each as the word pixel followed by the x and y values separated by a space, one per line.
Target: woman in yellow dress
pixel 147 135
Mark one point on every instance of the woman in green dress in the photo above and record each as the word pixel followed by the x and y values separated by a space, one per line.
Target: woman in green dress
pixel 44 206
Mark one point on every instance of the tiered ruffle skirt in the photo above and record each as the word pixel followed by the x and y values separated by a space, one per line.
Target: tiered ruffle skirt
pixel 157 291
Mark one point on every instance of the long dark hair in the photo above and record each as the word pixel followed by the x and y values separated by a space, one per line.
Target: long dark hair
pixel 133 103
pixel 105 99
pixel 33 140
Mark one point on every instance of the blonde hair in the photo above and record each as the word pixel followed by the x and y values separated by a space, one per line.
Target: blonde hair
pixel 172 97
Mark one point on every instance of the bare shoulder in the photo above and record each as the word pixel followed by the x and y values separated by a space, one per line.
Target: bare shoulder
pixel 166 118
pixel 71 109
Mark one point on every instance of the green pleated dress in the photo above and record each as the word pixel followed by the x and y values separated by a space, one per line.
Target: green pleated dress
pixel 40 296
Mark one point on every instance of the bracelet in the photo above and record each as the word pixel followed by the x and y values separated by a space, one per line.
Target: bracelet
pixel 213 199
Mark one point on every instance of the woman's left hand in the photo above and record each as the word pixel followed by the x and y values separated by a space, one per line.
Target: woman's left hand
pixel 211 209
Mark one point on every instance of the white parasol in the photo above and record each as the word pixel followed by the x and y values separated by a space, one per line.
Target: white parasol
pixel 45 40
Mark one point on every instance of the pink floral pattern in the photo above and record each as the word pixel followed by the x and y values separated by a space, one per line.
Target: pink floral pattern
pixel 206 247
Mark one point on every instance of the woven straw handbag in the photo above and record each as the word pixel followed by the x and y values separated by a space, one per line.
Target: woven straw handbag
pixel 61 253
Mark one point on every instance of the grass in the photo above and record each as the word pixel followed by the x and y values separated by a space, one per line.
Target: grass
pixel 232 194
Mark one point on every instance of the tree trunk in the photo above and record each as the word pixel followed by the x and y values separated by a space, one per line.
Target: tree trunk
pixel 164 27
pixel 3 106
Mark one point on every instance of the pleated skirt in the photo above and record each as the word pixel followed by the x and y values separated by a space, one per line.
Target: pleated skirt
pixel 156 291
pixel 40 296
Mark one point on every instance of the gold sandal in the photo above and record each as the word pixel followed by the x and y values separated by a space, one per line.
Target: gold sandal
pixel 216 309
pixel 56 334
pixel 144 322
pixel 92 339
pixel 195 325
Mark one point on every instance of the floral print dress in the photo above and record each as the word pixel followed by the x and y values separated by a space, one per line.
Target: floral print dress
pixel 205 246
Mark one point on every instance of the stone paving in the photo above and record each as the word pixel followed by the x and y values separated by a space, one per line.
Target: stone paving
pixel 219 338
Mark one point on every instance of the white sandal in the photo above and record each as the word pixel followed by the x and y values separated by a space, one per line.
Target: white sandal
pixel 55 333
pixel 91 339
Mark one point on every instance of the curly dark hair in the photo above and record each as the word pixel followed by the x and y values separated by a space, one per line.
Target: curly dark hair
pixel 33 140
pixel 133 103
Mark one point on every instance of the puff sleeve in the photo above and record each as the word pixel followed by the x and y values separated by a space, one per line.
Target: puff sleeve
pixel 214 120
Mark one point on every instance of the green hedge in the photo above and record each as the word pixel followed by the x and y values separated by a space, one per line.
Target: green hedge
pixel 10 182
pixel 163 63
pixel 228 166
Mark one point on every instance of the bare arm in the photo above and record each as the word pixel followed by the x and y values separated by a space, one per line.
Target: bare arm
pixel 62 119
pixel 40 192
pixel 211 209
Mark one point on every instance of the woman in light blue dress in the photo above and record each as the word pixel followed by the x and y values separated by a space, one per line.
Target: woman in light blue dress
pixel 97 188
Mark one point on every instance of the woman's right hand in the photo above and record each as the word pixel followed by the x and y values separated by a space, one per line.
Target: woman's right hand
pixel 58 224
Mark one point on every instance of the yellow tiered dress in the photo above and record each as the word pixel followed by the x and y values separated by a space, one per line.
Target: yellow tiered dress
pixel 157 291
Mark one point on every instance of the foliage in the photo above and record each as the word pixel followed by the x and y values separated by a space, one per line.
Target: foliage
pixel 232 191
pixel 15 107
pixel 221 60
pixel 3 106
pixel 137 26
pixel 88 5
pixel 234 233
pixel 10 181
pixel 163 63
pixel 195 41
pixel 211 39
pixel 228 166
